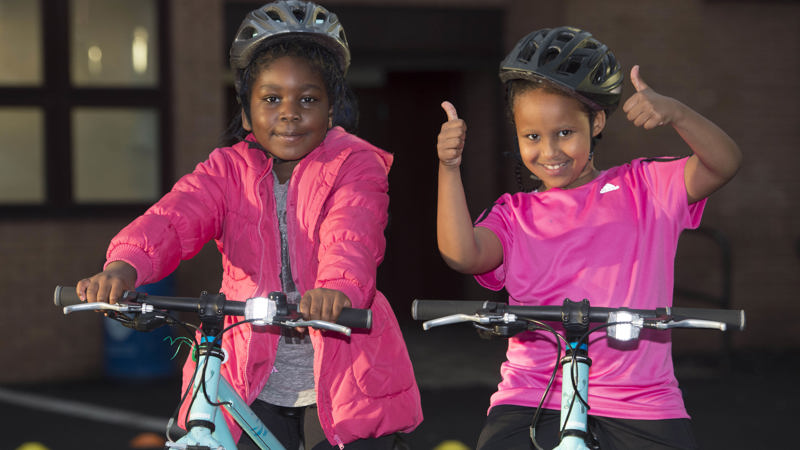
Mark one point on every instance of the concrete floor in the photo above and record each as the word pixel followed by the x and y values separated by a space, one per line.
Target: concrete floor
pixel 751 406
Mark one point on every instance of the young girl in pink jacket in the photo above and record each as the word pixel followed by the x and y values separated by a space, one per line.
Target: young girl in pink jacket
pixel 298 205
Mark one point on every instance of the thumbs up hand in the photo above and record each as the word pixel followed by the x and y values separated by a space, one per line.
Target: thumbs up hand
pixel 647 108
pixel 450 143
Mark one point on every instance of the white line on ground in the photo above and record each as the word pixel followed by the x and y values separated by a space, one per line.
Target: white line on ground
pixel 84 410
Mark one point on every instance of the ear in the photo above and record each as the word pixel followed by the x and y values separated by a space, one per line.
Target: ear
pixel 245 122
pixel 599 123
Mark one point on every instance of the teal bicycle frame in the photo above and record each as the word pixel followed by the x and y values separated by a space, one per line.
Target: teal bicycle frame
pixel 206 425
pixel 575 424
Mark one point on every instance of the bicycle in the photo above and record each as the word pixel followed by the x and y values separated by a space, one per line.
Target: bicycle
pixel 205 425
pixel 623 324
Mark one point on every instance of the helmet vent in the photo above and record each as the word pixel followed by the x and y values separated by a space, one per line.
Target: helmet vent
pixel 565 36
pixel 274 16
pixel 600 74
pixel 248 33
pixel 551 54
pixel 299 14
pixel 528 51
pixel 320 18
pixel 571 66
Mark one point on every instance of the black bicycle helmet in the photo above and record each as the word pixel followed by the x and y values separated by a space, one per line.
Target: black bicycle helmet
pixel 571 59
pixel 288 18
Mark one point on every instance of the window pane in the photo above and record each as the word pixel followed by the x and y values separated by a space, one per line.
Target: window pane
pixel 20 43
pixel 114 42
pixel 115 155
pixel 21 155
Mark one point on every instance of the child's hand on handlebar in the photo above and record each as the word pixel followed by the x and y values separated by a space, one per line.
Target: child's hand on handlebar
pixel 108 285
pixel 450 143
pixel 323 304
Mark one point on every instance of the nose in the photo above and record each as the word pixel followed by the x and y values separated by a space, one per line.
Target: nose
pixel 289 112
pixel 551 148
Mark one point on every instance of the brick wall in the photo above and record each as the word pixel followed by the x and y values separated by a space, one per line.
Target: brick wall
pixel 40 343
pixel 735 62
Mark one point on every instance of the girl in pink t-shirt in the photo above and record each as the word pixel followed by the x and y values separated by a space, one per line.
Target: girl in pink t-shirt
pixel 608 236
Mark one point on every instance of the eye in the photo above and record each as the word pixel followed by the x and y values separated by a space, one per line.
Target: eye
pixel 532 137
pixel 271 99
pixel 308 99
pixel 564 133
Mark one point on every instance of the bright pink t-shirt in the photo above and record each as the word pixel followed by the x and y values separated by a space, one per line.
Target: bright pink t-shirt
pixel 611 241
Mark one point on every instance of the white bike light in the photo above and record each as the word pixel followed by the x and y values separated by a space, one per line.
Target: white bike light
pixel 626 329
pixel 260 309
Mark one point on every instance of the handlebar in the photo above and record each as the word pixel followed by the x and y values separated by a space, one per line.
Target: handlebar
pixel 445 312
pixel 271 310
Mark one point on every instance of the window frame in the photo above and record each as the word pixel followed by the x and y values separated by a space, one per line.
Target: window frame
pixel 56 97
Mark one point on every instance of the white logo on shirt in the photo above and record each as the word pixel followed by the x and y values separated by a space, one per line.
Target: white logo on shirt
pixel 608 188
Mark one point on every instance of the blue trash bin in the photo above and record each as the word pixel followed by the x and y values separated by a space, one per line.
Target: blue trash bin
pixel 131 354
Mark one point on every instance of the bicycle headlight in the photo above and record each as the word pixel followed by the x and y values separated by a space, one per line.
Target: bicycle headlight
pixel 260 310
pixel 625 328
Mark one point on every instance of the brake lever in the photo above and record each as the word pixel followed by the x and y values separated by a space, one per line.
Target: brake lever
pixel 483 319
pixel 318 324
pixel 687 323
pixel 101 306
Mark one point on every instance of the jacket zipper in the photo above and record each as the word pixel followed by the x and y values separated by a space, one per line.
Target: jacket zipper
pixel 260 274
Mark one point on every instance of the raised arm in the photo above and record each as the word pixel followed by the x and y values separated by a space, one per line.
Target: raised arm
pixel 716 157
pixel 465 248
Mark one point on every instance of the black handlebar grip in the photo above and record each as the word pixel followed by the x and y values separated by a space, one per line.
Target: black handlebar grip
pixel 432 309
pixel 65 296
pixel 355 318
pixel 730 317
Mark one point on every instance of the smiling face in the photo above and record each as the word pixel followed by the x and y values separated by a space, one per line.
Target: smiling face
pixel 290 112
pixel 554 135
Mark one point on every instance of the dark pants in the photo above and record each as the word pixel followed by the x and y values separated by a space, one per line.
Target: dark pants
pixel 291 425
pixel 508 428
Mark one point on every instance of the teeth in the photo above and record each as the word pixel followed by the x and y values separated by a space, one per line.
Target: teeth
pixel 554 166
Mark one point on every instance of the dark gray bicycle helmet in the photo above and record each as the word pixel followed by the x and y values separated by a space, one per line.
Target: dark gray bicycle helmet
pixel 571 59
pixel 288 18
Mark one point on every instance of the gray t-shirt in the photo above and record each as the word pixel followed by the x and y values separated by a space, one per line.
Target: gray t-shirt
pixel 291 382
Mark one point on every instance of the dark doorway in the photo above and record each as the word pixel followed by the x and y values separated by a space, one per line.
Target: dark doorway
pixel 404 118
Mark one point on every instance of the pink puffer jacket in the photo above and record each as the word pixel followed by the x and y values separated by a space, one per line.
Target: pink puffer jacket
pixel 336 213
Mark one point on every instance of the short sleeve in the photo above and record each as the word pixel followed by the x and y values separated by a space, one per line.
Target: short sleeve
pixel 497 219
pixel 665 178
